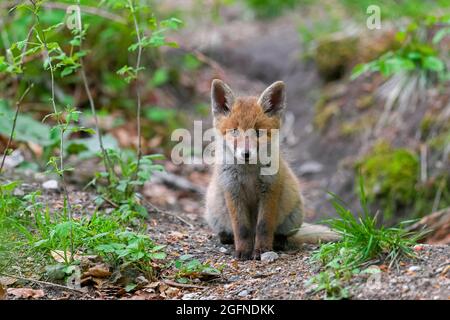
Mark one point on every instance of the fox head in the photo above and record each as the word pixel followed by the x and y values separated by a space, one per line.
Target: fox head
pixel 246 123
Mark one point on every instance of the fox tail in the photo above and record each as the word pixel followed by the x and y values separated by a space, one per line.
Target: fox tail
pixel 313 233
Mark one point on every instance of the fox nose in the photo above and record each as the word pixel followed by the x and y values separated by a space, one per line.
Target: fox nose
pixel 246 154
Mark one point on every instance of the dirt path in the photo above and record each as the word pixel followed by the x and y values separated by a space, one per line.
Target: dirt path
pixel 427 277
pixel 286 278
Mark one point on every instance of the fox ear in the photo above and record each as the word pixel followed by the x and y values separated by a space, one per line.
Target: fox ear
pixel 273 99
pixel 222 98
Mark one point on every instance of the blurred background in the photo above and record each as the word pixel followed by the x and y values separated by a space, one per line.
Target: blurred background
pixel 366 94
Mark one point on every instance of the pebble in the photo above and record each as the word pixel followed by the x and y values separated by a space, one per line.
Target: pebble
pixel 414 268
pixel 233 278
pixel 50 185
pixel 310 167
pixel 269 256
pixel 189 296
pixel 18 193
pixel 243 293
pixel 223 250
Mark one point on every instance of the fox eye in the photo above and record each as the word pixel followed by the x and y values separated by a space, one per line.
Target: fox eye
pixel 234 132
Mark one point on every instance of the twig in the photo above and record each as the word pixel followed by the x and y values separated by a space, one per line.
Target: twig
pixel 42 282
pixel 107 162
pixel 175 181
pixel 61 156
pixel 18 104
pixel 113 204
pixel 63 6
pixel 138 88
pixel 183 285
pixel 158 210
pixel 423 163
pixel 437 198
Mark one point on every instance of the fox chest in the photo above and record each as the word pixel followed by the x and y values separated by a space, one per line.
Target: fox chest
pixel 246 187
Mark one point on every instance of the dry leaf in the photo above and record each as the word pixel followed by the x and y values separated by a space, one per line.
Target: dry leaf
pixel 62 257
pixel 98 271
pixel 172 292
pixel 7 281
pixel 26 293
pixel 177 235
pixel 2 292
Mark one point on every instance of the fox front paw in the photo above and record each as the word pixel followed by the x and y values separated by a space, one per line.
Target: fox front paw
pixel 243 254
pixel 259 251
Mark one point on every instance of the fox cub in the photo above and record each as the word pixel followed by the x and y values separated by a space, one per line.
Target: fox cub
pixel 257 212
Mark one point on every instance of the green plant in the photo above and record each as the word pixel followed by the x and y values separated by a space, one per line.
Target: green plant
pixel 270 8
pixel 362 241
pixel 121 187
pixel 189 268
pixel 419 51
pixel 133 249
pixel 26 224
pixel 391 176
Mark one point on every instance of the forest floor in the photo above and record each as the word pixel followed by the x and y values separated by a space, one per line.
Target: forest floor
pixel 184 231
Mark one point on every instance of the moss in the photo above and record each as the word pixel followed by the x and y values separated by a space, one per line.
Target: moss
pixel 334 56
pixel 440 141
pixel 324 113
pixel 365 102
pixel 350 128
pixel 391 176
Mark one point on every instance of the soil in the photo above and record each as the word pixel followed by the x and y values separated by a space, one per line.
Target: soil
pixel 427 277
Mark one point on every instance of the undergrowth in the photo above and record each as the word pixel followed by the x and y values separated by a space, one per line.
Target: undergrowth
pixel 363 243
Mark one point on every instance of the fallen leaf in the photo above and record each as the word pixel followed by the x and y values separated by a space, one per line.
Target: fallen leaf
pixel 2 292
pixel 384 268
pixel 7 281
pixel 60 256
pixel 177 235
pixel 26 293
pixel 65 296
pixel 98 271
pixel 172 292
pixel 143 295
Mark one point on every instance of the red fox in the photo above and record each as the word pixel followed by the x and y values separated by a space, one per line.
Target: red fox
pixel 256 212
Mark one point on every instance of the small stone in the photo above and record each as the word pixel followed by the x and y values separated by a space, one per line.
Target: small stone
pixel 14 159
pixel 310 167
pixel 269 256
pixel 141 280
pixel 50 185
pixel 233 278
pixel 223 250
pixel 55 272
pixel 18 193
pixel 414 268
pixel 189 296
pixel 243 293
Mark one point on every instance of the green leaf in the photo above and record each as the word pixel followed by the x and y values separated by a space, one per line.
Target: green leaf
pixel 172 23
pixel 67 71
pixel 160 77
pixel 434 64
pixel 441 34
pixel 130 287
pixel 159 255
